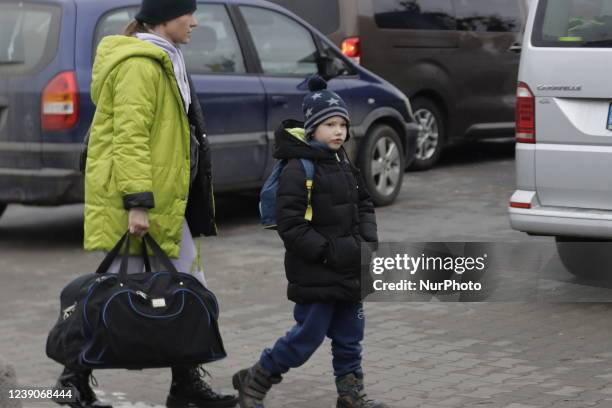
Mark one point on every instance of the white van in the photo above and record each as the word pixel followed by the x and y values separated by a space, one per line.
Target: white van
pixel 564 122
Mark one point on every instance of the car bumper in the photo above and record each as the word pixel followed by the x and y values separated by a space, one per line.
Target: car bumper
pixel 41 186
pixel 559 221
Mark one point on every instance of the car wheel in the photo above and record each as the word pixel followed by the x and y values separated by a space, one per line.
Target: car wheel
pixel 586 258
pixel 2 208
pixel 382 162
pixel 431 135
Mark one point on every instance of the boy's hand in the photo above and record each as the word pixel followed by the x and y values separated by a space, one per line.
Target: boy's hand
pixel 343 253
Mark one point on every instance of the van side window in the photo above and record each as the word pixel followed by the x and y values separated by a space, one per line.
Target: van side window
pixel 415 14
pixel 327 22
pixel 213 48
pixel 113 23
pixel 488 15
pixel 284 46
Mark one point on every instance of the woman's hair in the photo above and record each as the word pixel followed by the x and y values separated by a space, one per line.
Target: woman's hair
pixel 134 27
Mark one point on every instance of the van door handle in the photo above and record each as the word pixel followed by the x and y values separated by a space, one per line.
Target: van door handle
pixel 280 100
pixel 516 47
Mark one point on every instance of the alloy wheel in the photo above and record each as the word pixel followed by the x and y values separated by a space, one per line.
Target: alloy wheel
pixel 386 163
pixel 429 134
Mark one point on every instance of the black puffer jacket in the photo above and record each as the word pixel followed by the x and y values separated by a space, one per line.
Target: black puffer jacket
pixel 200 211
pixel 322 261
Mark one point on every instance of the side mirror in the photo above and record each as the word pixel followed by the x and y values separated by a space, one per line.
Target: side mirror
pixel 331 67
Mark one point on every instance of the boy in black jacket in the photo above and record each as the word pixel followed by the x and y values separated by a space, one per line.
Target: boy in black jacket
pixel 323 252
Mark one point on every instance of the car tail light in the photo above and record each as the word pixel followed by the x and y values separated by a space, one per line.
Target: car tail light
pixel 525 114
pixel 351 47
pixel 60 102
pixel 515 204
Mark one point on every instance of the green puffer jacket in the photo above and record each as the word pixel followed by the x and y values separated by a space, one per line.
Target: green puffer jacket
pixel 138 153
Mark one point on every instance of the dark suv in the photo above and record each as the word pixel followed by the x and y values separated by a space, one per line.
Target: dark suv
pixel 457 60
pixel 249 60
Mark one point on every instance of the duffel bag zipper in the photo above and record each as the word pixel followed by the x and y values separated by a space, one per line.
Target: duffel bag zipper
pixel 67 312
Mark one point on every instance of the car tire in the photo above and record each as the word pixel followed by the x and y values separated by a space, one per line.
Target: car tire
pixel 2 208
pixel 432 134
pixel 586 258
pixel 382 162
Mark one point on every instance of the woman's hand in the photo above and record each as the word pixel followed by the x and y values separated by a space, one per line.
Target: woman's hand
pixel 138 221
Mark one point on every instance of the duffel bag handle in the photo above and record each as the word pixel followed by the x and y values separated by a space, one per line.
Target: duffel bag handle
pixel 112 255
pixel 159 253
pixel 124 242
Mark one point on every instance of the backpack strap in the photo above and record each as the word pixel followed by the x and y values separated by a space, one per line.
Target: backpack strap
pixel 309 170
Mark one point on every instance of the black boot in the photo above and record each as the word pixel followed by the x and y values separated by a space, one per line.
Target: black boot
pixel 84 395
pixel 352 395
pixel 189 389
pixel 253 384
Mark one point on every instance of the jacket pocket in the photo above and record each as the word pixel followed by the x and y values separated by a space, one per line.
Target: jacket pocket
pixel 343 253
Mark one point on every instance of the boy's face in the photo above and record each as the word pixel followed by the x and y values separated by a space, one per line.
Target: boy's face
pixel 331 132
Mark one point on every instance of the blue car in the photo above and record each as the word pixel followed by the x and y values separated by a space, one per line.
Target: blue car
pixel 249 60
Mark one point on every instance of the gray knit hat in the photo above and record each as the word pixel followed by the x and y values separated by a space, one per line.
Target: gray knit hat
pixel 321 104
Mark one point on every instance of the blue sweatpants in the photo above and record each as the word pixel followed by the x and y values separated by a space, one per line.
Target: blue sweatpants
pixel 342 322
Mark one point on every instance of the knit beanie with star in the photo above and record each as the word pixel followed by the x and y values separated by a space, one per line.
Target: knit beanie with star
pixel 321 104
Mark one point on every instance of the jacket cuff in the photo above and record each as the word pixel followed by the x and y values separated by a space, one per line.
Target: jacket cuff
pixel 142 200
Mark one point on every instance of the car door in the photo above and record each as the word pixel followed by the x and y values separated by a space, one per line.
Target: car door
pixel 232 97
pixel 287 56
pixel 489 55
pixel 30 38
pixel 565 67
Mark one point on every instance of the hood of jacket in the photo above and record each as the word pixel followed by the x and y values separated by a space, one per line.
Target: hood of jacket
pixel 114 49
pixel 290 142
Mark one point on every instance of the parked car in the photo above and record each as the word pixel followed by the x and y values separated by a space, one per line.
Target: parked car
pixel 249 60
pixel 564 127
pixel 457 60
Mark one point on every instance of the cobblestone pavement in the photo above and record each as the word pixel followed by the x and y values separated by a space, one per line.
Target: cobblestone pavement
pixel 426 355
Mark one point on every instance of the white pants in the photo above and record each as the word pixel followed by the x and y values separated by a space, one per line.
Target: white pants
pixel 187 262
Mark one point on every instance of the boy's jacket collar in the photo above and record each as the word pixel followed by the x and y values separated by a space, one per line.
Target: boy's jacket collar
pixel 291 143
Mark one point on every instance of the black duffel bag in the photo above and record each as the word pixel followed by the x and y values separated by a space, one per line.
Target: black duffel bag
pixel 136 321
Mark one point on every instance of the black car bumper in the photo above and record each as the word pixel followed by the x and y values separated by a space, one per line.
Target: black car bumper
pixel 41 186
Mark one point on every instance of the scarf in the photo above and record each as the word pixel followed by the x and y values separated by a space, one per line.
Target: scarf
pixel 178 63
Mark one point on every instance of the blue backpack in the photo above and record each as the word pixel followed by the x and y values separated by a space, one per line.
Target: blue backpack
pixel 267 196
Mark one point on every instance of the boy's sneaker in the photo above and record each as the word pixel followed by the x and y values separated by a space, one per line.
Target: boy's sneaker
pixel 252 385
pixel 352 395
pixel 189 389
pixel 84 395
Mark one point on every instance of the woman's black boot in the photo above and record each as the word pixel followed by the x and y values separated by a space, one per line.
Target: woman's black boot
pixel 189 389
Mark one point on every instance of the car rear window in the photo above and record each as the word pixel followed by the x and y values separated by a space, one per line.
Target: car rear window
pixel 573 23
pixel 29 36
pixel 415 14
pixel 324 15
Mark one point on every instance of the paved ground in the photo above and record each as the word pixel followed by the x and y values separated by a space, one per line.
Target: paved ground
pixel 426 355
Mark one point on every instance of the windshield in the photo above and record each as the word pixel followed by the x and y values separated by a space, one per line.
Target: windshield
pixel 573 23
pixel 29 35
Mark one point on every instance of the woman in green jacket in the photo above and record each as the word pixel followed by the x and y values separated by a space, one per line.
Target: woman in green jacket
pixel 148 164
